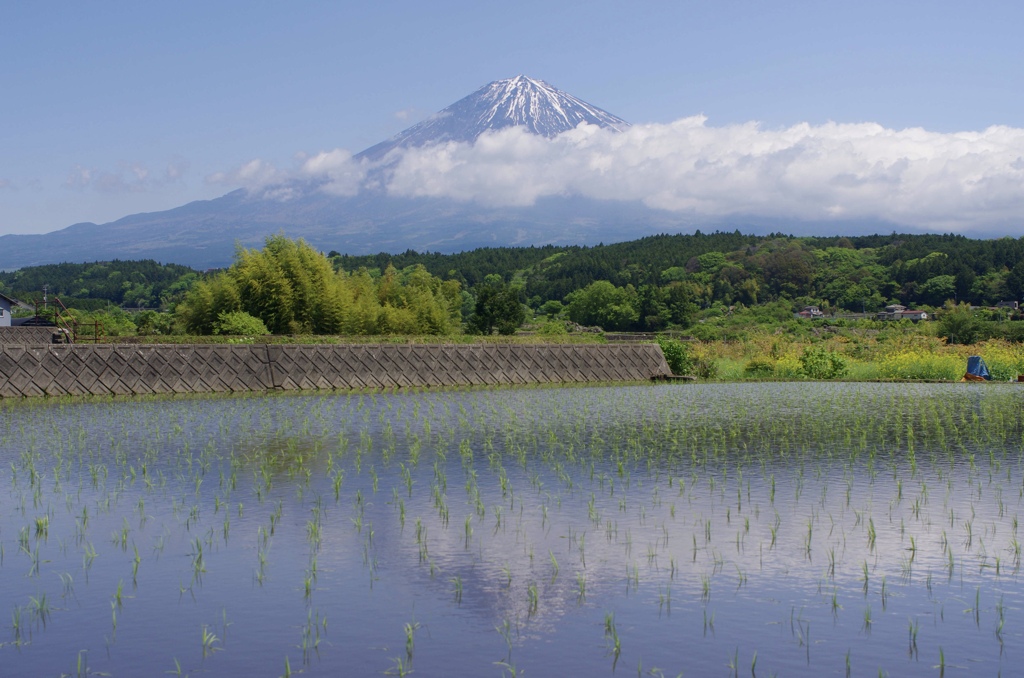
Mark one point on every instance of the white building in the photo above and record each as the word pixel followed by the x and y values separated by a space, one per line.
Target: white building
pixel 6 304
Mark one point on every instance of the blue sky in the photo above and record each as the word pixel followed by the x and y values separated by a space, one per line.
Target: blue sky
pixel 119 107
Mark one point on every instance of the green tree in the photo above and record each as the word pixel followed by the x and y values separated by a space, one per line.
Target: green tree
pixel 959 324
pixel 292 288
pixel 551 308
pixel 498 307
pixel 264 290
pixel 206 300
pixel 602 303
pixel 676 355
pixel 937 290
pixel 1015 282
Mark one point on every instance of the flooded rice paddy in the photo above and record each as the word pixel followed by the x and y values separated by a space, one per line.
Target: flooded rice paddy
pixel 747 529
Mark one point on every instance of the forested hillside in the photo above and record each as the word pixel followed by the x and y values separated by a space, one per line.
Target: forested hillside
pixel 129 283
pixel 653 283
pixel 664 280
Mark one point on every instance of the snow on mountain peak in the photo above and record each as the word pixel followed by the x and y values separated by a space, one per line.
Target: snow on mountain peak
pixel 519 101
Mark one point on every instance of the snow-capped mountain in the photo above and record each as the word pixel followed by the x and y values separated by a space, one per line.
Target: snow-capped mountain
pixel 205 233
pixel 518 101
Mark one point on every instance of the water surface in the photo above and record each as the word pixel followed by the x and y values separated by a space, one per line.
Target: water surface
pixel 721 529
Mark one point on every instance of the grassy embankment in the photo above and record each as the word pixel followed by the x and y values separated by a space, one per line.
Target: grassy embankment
pixel 759 355
pixel 913 357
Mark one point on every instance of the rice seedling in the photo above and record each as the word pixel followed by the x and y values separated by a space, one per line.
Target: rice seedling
pixel 457 584
pixel 67 584
pixel 209 641
pixel 39 608
pixel 410 643
pixel 612 635
pixel 399 668
pixel 941 666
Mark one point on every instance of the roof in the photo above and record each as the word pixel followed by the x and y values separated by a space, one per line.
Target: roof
pixel 14 302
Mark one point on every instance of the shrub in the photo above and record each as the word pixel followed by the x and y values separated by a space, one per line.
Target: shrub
pixel 705 368
pixel 789 366
pixel 922 365
pixel 705 332
pixel 552 328
pixel 239 323
pixel 820 363
pixel 959 324
pixel 676 355
pixel 760 366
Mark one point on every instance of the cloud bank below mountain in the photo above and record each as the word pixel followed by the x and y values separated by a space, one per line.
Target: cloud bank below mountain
pixel 960 181
pixel 965 181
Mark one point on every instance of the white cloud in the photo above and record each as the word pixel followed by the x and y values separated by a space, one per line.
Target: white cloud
pixel 253 175
pixel 129 178
pixel 817 172
pixel 913 177
pixel 333 172
pixel 343 174
pixel 175 170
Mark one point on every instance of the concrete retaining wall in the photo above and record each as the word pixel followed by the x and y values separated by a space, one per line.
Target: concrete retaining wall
pixel 167 368
pixel 26 335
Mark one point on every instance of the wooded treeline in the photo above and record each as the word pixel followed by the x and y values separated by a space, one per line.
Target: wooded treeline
pixel 652 283
pixel 664 281
pixel 135 284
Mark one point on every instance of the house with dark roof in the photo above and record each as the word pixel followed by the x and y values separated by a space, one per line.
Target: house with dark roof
pixel 7 304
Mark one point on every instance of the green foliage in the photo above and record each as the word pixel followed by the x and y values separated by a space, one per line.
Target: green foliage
pixel 820 363
pixel 759 367
pixel 293 289
pixel 712 262
pixel 705 368
pixel 862 273
pixel 729 281
pixel 552 328
pixel 154 323
pixel 919 364
pixel 132 283
pixel 935 291
pixel 959 325
pixel 676 355
pixel 605 305
pixel 115 322
pixel 551 308
pixel 239 323
pixel 666 279
pixel 498 307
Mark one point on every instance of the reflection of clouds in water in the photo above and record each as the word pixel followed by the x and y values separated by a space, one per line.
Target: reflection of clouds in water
pixel 671 485
pixel 839 499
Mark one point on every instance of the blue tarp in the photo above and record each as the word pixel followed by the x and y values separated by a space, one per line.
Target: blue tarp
pixel 977 367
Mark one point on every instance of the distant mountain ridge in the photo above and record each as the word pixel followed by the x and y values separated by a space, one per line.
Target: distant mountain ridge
pixel 204 234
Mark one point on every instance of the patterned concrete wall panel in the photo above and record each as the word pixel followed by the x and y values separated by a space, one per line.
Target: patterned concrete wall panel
pixel 45 369
pixel 26 335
